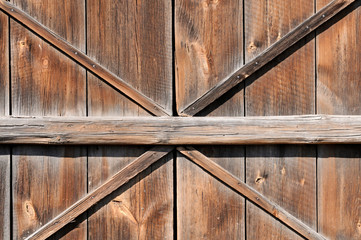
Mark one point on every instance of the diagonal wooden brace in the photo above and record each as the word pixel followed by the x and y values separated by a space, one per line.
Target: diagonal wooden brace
pixel 266 56
pixel 107 76
pixel 119 179
pixel 251 194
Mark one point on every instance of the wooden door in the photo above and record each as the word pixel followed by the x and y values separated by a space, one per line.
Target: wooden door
pixel 129 95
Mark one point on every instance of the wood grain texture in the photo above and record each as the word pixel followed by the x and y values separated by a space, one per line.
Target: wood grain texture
pixel 309 129
pixel 45 182
pixel 266 56
pixel 44 82
pixel 286 175
pixel 4 64
pixel 339 64
pixel 288 85
pixel 238 185
pixel 82 58
pixel 339 191
pixel 47 83
pixel 267 228
pixel 142 208
pixel 120 178
pixel 283 174
pixel 136 45
pixel 5 187
pixel 206 209
pixel 209 46
pixel 338 87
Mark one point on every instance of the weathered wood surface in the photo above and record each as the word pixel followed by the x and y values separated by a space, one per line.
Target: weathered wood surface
pixel 5 193
pixel 47 83
pixel 338 91
pixel 209 46
pixel 285 175
pixel 4 110
pixel 119 179
pixel 308 129
pixel 206 208
pixel 339 178
pixel 76 53
pixel 45 182
pixel 266 56
pixel 287 86
pixel 251 194
pixel 4 64
pixel 136 46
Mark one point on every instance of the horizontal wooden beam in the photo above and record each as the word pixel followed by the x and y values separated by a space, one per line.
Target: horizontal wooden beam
pixel 83 59
pixel 266 56
pixel 119 179
pixel 307 129
pixel 251 194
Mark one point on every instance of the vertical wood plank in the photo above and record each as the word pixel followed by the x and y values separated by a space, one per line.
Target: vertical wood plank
pixel 4 110
pixel 4 64
pixel 285 174
pixel 205 207
pixel 209 47
pixel 339 178
pixel 143 208
pixel 288 87
pixel 5 193
pixel 338 88
pixel 339 63
pixel 136 45
pixel 133 39
pixel 47 180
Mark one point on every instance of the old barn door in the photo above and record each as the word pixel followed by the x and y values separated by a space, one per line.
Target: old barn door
pixel 73 72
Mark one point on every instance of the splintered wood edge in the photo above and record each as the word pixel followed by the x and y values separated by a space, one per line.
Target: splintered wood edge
pixel 266 56
pixel 304 129
pixel 119 179
pixel 250 193
pixel 77 55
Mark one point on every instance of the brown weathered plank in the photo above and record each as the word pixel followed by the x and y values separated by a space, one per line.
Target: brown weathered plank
pixel 46 82
pixel 78 53
pixel 308 129
pixel 267 228
pixel 209 46
pixel 251 194
pixel 205 207
pixel 4 64
pixel 284 174
pixel 5 187
pixel 136 46
pixel 120 178
pixel 339 178
pixel 266 56
pixel 5 193
pixel 338 91
pixel 45 182
pixel 288 86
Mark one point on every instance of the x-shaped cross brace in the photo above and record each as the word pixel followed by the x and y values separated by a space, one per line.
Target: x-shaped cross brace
pixel 150 157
